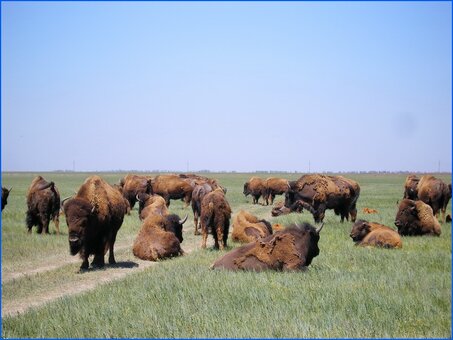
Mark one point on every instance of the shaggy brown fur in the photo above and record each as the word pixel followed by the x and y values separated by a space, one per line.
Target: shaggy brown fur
pixel 416 218
pixel 275 186
pixel 94 217
pixel 410 187
pixel 434 192
pixel 198 193
pixel 280 209
pixel 290 249
pixel 159 237
pixel 151 205
pixel 248 228
pixel 5 194
pixel 172 187
pixel 366 233
pixel 256 187
pixel 43 203
pixel 215 215
pixel 133 185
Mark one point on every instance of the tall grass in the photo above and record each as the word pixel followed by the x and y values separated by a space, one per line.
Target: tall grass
pixel 348 291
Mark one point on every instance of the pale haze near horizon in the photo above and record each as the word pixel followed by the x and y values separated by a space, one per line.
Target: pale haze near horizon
pixel 220 86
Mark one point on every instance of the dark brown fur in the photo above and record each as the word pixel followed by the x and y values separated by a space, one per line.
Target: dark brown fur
pixel 366 233
pixel 94 217
pixel 215 215
pixel 410 187
pixel 434 192
pixel 256 188
pixel 416 218
pixel 43 203
pixel 290 249
pixel 198 193
pixel 133 185
pixel 172 187
pixel 5 194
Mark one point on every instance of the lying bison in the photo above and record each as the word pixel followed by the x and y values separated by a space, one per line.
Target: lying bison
pixel 256 187
pixel 5 194
pixel 215 215
pixel 290 249
pixel 373 234
pixel 94 216
pixel 248 228
pixel 416 218
pixel 43 205
pixel 159 237
pixel 316 193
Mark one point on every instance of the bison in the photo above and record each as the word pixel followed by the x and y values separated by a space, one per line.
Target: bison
pixel 290 249
pixel 171 187
pixel 410 187
pixel 215 215
pixel 133 185
pixel 316 193
pixel 94 216
pixel 198 193
pixel 159 237
pixel 434 192
pixel 256 188
pixel 43 205
pixel 248 228
pixel 151 205
pixel 5 194
pixel 416 218
pixel 274 186
pixel 366 233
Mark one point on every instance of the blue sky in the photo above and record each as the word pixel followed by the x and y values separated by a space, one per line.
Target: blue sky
pixel 223 86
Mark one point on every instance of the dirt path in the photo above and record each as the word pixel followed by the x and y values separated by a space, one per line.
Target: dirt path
pixel 18 306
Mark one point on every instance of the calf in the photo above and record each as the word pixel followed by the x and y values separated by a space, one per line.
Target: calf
pixel 366 233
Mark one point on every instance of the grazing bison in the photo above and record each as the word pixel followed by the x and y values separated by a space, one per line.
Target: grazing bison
pixel 94 216
pixel 316 193
pixel 434 192
pixel 274 186
pixel 43 203
pixel 290 249
pixel 416 218
pixel 410 187
pixel 248 228
pixel 5 194
pixel 133 185
pixel 256 188
pixel 172 187
pixel 159 237
pixel 215 215
pixel 151 205
pixel 366 233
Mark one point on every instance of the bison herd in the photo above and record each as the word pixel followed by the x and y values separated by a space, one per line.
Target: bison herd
pixel 96 212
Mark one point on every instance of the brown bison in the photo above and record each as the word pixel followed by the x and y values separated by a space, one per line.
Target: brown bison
pixel 316 193
pixel 151 205
pixel 159 237
pixel 94 216
pixel 248 228
pixel 195 180
pixel 410 187
pixel 133 185
pixel 43 203
pixel 275 186
pixel 198 193
pixel 366 233
pixel 434 192
pixel 215 215
pixel 5 194
pixel 256 188
pixel 290 249
pixel 171 187
pixel 416 218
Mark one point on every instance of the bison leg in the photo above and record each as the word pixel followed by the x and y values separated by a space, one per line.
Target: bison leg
pixel 195 223
pixel 56 221
pixel 319 213
pixel 220 244
pixel 98 261
pixel 84 265
pixel 111 254
pixel 204 235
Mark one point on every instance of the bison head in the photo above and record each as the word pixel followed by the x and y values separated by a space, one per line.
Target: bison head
pixel 174 225
pixel 407 215
pixel 246 191
pixel 359 230
pixel 5 194
pixel 78 214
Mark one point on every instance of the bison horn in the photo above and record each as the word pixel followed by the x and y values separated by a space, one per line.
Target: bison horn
pixel 138 199
pixel 184 219
pixel 319 229
pixel 10 190
pixel 64 200
pixel 73 238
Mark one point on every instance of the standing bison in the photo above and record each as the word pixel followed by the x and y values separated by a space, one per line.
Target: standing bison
pixel 275 186
pixel 133 185
pixel 410 187
pixel 43 203
pixel 256 187
pixel 94 217
pixel 373 234
pixel 416 218
pixel 5 194
pixel 215 215
pixel 171 187
pixel 316 193
pixel 290 249
pixel 434 192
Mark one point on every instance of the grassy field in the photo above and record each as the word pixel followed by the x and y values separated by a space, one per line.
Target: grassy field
pixel 348 291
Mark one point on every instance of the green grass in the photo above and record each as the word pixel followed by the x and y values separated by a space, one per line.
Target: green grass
pixel 348 291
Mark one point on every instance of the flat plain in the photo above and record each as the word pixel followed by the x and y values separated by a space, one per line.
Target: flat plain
pixel 347 291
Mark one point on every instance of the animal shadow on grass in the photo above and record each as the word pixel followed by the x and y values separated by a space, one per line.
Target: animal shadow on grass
pixel 121 264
